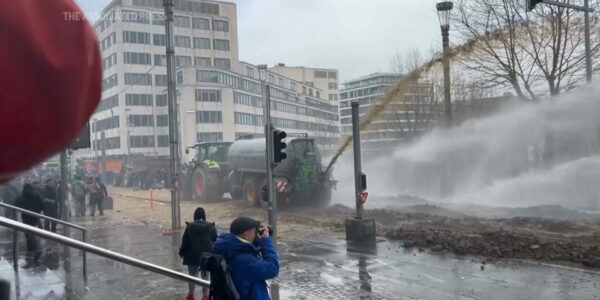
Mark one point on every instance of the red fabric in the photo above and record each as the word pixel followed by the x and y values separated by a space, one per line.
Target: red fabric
pixel 51 79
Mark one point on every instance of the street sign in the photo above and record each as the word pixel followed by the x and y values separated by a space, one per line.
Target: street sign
pixel 82 140
pixel 363 196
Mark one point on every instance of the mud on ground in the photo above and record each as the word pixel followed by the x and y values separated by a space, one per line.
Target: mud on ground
pixel 421 226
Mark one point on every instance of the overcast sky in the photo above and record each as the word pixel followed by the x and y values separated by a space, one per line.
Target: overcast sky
pixel 357 37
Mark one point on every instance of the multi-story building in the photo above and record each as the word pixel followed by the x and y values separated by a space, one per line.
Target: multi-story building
pixel 325 81
pixel 219 97
pixel 404 118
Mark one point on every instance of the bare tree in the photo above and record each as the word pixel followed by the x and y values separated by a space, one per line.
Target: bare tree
pixel 402 64
pixel 533 53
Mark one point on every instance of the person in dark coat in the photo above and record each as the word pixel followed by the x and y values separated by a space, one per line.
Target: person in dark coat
pixel 31 200
pixel 251 257
pixel 198 239
pixel 50 204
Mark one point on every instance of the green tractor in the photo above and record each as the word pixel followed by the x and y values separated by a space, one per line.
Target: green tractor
pixel 205 177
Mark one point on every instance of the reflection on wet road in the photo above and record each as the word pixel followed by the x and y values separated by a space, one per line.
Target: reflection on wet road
pixel 322 268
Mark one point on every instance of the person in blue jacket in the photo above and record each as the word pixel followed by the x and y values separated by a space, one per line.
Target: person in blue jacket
pixel 251 257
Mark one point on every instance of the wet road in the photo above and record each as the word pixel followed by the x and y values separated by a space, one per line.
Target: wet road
pixel 322 268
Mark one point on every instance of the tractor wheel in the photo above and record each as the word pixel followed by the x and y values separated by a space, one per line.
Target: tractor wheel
pixel 206 187
pixel 251 192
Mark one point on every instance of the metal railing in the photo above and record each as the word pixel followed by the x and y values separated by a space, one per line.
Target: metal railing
pixel 27 212
pixel 102 252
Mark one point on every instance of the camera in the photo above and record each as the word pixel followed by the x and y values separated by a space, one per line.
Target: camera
pixel 261 230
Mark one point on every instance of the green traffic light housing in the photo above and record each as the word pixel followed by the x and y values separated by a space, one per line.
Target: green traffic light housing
pixel 279 146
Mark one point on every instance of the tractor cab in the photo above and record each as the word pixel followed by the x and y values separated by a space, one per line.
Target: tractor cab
pixel 211 152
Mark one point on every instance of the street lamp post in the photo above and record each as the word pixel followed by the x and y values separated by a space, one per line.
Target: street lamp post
pixel 443 9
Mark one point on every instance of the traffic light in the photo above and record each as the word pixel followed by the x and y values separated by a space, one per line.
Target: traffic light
pixel 279 146
pixel 532 3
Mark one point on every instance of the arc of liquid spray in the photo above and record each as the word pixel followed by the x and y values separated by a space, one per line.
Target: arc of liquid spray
pixel 404 83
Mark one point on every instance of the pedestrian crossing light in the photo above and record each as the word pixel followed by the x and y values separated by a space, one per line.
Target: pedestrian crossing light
pixel 279 146
pixel 532 3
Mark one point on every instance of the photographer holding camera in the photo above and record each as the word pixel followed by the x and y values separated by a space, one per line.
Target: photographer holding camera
pixel 251 256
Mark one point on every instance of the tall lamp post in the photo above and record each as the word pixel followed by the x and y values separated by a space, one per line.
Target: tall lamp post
pixel 443 9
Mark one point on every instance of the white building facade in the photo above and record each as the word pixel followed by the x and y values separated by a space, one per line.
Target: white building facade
pixel 219 97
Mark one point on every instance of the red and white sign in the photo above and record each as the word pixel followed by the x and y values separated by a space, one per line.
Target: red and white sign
pixel 363 196
pixel 282 186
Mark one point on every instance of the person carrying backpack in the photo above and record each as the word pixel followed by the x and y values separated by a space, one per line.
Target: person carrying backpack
pixel 251 260
pixel 198 239
pixel 78 193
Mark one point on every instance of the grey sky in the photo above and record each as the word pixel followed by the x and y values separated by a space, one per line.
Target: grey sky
pixel 357 37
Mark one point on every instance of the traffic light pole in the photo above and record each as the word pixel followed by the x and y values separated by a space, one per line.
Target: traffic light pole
pixel 270 165
pixel 173 112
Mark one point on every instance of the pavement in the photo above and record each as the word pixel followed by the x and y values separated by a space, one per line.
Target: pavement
pixel 322 267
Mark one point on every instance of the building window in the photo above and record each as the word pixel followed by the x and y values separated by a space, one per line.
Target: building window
pixel 110 82
pixel 248 119
pixel 138 79
pixel 209 137
pixel 223 63
pixel 181 21
pixel 222 45
pixel 209 117
pixel 108 123
pixel 179 77
pixel 208 95
pixel 135 37
pixel 281 82
pixel 310 92
pixel 160 80
pixel 245 99
pixel 110 40
pixel 109 143
pixel 159 39
pixel 160 60
pixel 141 141
pixel 201 23
pixel 333 86
pixel 250 72
pixel 292 85
pixel 332 75
pixel 141 121
pixel 320 74
pixel 202 61
pixel 161 100
pixel 318 94
pixel 138 99
pixel 183 41
pixel 158 19
pixel 181 61
pixel 220 25
pixel 333 97
pixel 108 103
pixel 162 120
pixel 163 140
pixel 137 58
pixel 201 43
pixel 135 16
pixel 109 62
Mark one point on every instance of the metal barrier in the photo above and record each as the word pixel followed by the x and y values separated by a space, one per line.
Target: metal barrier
pixel 102 252
pixel 27 212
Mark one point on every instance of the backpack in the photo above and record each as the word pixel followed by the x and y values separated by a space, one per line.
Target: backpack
pixel 78 190
pixel 221 282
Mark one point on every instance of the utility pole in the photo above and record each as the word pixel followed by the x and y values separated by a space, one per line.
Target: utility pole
pixel 173 125
pixel 444 9
pixel 588 51
pixel 63 183
pixel 103 156
pixel 270 164
pixel 357 160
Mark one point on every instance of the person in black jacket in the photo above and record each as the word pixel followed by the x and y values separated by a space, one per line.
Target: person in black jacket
pixel 31 200
pixel 50 195
pixel 198 239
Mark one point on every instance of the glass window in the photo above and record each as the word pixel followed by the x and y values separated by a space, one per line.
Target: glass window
pixel 160 60
pixel 135 16
pixel 222 45
pixel 159 39
pixel 108 103
pixel 163 140
pixel 181 21
pixel 158 19
pixel 220 25
pixel 202 61
pixel 223 63
pixel 183 41
pixel 141 141
pixel 138 79
pixel 136 37
pixel 208 95
pixel 110 82
pixel 181 61
pixel 209 117
pixel 138 99
pixel 161 100
pixel 137 58
pixel 160 80
pixel 201 43
pixel 162 120
pixel 201 23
